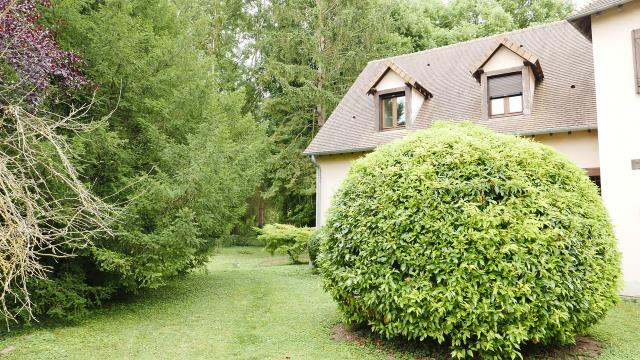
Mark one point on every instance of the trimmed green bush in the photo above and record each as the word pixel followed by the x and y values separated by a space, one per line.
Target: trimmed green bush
pixel 313 246
pixel 285 239
pixel 480 241
pixel 249 239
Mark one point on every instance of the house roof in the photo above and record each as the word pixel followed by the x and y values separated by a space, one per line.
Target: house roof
pixel 595 7
pixel 563 101
pixel 518 49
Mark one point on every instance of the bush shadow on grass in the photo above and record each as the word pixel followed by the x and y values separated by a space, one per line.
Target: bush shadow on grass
pixel 584 348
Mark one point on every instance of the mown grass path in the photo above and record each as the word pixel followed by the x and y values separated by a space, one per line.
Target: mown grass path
pixel 247 305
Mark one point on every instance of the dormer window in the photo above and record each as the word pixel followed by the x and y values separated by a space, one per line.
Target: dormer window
pixel 393 111
pixel 397 98
pixel 508 75
pixel 505 94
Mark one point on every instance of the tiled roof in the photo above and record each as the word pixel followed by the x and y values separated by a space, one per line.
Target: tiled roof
pixel 563 101
pixel 596 6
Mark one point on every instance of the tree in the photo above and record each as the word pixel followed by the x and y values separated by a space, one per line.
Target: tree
pixel 176 147
pixel 178 135
pixel 526 13
pixel 311 52
pixel 46 211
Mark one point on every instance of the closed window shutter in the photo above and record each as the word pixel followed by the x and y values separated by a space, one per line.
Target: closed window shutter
pixel 636 57
pixel 505 85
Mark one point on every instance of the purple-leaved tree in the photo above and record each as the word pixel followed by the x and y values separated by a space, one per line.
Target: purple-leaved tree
pixel 29 48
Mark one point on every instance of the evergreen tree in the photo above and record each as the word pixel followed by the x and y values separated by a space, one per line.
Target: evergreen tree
pixel 311 51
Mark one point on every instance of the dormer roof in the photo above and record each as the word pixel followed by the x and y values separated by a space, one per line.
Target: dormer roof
pixel 408 79
pixel 518 49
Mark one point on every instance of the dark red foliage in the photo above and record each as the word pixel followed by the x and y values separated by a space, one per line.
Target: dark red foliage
pixel 33 53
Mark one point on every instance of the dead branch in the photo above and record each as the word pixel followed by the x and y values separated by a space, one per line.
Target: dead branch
pixel 45 209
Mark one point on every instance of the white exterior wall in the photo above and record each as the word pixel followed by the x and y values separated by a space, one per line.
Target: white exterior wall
pixel 618 131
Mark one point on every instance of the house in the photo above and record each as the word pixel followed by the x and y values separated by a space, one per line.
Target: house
pixel 573 85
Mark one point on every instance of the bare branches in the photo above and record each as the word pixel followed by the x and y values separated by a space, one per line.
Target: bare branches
pixel 45 209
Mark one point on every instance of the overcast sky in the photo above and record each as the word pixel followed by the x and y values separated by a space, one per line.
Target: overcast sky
pixel 580 3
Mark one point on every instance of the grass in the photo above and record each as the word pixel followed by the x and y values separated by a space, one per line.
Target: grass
pixel 247 305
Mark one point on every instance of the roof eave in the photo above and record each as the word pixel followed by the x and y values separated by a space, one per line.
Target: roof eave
pixel 338 152
pixel 546 131
pixel 580 15
pixel 555 130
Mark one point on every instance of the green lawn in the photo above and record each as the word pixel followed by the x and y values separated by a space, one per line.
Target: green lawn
pixel 247 305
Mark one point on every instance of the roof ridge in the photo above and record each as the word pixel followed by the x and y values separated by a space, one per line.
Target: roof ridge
pixel 504 34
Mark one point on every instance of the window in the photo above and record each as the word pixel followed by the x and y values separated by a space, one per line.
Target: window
pixel 505 94
pixel 594 175
pixel 392 111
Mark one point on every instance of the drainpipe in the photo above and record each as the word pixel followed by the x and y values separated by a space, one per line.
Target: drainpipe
pixel 318 179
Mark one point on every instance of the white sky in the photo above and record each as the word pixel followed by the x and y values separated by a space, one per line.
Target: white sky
pixel 580 3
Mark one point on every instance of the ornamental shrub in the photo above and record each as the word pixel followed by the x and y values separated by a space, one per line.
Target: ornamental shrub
pixel 313 246
pixel 285 239
pixel 480 241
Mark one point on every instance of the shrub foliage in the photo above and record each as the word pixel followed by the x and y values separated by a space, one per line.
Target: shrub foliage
pixel 313 246
pixel 285 239
pixel 478 240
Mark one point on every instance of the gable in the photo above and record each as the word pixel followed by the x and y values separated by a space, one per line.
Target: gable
pixel 502 59
pixel 394 74
pixel 390 80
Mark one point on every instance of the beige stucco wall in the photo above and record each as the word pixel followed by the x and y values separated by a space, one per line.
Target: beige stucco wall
pixel 333 169
pixel 618 130
pixel 581 147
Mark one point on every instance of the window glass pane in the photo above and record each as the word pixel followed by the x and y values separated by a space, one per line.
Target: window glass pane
pixel 497 106
pixel 387 115
pixel 515 104
pixel 401 112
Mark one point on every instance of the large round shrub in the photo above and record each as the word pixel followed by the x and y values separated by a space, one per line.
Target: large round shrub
pixel 479 240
